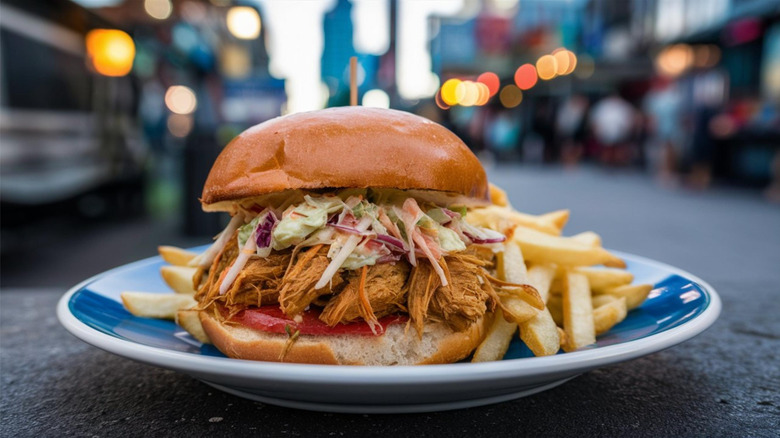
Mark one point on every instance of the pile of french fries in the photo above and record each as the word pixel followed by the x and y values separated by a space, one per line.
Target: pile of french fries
pixel 572 300
pixel 581 300
pixel 179 306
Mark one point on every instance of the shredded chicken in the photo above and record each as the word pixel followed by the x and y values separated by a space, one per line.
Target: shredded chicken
pixel 423 282
pixel 384 287
pixel 297 290
pixel 468 297
pixel 256 285
pixel 288 278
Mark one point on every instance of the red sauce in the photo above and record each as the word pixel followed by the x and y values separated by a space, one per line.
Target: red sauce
pixel 271 319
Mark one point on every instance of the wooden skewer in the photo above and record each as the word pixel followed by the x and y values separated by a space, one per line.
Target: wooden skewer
pixel 353 94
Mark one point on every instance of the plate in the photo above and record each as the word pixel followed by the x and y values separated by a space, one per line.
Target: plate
pixel 679 307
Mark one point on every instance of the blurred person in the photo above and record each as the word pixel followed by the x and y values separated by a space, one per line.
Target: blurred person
pixel 613 121
pixel 543 124
pixel 502 134
pixel 663 105
pixel 571 127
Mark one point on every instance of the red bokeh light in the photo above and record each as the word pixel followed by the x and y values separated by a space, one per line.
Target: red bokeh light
pixel 525 77
pixel 491 80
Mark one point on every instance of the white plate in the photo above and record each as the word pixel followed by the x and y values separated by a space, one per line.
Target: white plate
pixel 680 307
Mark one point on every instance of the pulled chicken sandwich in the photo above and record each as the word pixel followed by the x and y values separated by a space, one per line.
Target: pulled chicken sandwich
pixel 347 243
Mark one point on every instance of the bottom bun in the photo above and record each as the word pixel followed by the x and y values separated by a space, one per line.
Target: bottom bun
pixel 397 346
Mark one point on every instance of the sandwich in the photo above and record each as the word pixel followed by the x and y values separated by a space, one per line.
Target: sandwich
pixel 347 242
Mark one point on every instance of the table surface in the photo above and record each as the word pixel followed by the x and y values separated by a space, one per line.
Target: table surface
pixel 725 382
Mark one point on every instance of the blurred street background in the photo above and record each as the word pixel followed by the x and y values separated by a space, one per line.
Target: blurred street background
pixel 112 112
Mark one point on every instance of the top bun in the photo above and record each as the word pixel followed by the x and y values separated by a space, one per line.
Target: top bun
pixel 345 147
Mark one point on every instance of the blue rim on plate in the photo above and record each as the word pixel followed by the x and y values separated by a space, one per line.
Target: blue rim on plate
pixel 679 307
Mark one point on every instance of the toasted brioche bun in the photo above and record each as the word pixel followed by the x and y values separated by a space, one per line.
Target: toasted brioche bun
pixel 396 346
pixel 346 147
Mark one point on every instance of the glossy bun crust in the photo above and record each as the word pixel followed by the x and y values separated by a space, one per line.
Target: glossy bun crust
pixel 345 147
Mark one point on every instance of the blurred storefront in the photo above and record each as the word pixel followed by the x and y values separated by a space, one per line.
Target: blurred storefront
pixel 117 108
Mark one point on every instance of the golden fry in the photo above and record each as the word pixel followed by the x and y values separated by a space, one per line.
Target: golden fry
pixel 153 305
pixel 543 248
pixel 577 312
pixel 502 219
pixel 601 279
pixel 190 321
pixel 179 278
pixel 588 238
pixel 635 294
pixel 495 344
pixel 606 316
pixel 175 256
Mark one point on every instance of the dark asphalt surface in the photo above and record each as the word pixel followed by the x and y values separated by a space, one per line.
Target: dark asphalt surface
pixel 725 382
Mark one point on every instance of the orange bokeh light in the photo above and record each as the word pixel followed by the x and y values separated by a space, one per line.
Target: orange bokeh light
pixel 562 59
pixel 111 52
pixel 484 94
pixel 470 93
pixel 525 77
pixel 491 80
pixel 440 103
pixel 547 67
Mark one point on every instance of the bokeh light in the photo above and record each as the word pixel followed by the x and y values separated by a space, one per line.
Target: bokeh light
pixel 484 93
pixel 562 59
pixel 159 9
pixel 243 22
pixel 546 67
pixel 470 93
pixel 180 125
pixel 449 92
pixel 440 102
pixel 572 62
pixel 376 98
pixel 111 52
pixel 510 96
pixel 180 99
pixel 525 77
pixel 491 80
pixel 674 60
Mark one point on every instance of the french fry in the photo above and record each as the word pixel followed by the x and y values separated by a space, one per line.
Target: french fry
pixel 607 315
pixel 601 279
pixel 496 342
pixel 559 218
pixel 179 278
pixel 498 196
pixel 502 218
pixel 562 335
pixel 190 321
pixel 539 332
pixel 543 248
pixel 512 266
pixel 541 277
pixel 600 300
pixel 577 312
pixel 175 256
pixel 555 306
pixel 588 238
pixel 635 294
pixel 153 305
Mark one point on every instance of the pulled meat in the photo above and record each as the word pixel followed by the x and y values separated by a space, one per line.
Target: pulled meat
pixel 384 287
pixel 257 284
pixel 297 290
pixel 288 279
pixel 467 297
pixel 423 282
